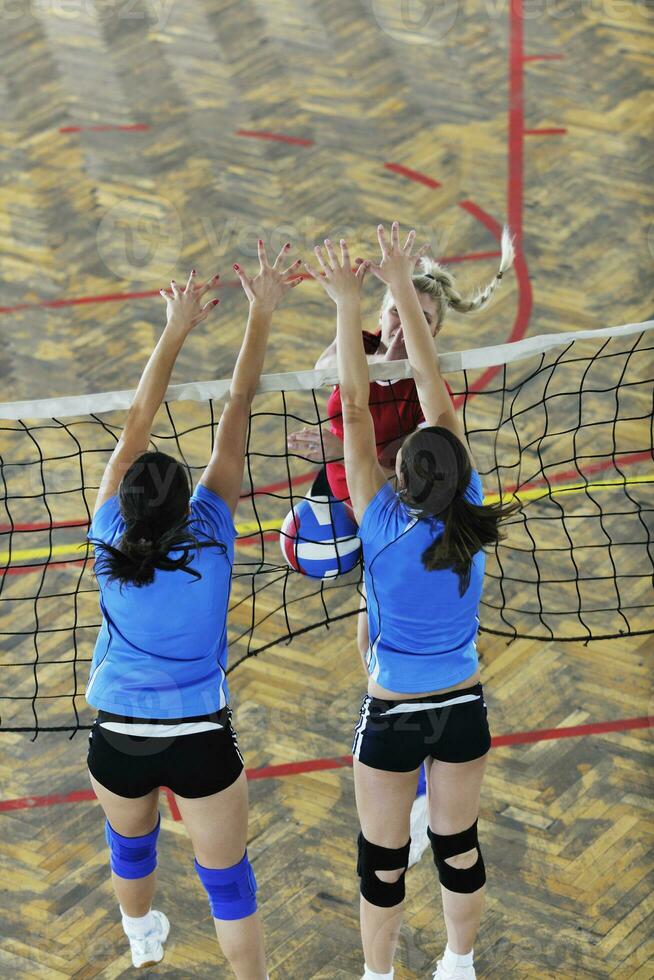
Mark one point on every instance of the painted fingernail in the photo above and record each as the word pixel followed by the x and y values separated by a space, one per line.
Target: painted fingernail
pixel 216 302
pixel 236 268
pixel 288 245
pixel 261 241
pixel 193 272
pixel 216 277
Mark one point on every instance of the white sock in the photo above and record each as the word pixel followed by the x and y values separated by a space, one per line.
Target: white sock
pixel 138 927
pixel 371 975
pixel 452 960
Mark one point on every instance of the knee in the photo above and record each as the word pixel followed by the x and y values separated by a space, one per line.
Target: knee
pixel 458 860
pixel 390 877
pixel 232 892
pixel 463 861
pixel 132 857
pixel 382 871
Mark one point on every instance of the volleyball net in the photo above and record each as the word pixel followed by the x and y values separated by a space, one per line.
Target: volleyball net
pixel 560 423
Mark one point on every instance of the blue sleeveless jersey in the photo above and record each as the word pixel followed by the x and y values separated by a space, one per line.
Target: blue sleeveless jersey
pixel 422 632
pixel 162 648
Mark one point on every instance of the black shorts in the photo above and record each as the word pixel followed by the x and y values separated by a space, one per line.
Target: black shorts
pixel 192 766
pixel 397 736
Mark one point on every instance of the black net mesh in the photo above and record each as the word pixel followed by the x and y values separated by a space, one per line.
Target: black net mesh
pixel 567 432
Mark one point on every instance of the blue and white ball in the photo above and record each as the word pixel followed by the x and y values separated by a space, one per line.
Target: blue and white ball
pixel 319 538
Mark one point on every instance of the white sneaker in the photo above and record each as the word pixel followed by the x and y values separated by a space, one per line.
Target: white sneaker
pixel 419 824
pixel 150 951
pixel 460 973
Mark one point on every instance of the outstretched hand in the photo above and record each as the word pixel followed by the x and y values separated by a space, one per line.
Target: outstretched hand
pixel 184 307
pixel 339 280
pixel 316 445
pixel 267 289
pixel 397 263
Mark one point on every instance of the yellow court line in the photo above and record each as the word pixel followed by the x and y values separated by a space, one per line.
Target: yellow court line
pixel 252 527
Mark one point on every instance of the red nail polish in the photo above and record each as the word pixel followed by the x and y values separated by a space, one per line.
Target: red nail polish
pixel 193 272
pixel 216 302
pixel 235 268
pixel 261 241
pixel 288 245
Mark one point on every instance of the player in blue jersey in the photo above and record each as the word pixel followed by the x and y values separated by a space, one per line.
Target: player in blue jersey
pixel 164 559
pixel 424 567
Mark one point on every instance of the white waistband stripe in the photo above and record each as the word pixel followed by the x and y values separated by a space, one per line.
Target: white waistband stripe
pixel 149 730
pixel 428 705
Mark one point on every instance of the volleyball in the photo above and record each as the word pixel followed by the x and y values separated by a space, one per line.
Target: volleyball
pixel 319 538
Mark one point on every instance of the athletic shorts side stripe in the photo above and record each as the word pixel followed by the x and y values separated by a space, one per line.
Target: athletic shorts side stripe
pixel 361 727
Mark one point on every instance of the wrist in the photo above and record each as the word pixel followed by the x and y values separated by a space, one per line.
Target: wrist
pixel 351 301
pixel 261 308
pixel 177 327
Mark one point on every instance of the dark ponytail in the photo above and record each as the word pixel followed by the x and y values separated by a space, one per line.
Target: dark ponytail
pixel 154 500
pixel 436 472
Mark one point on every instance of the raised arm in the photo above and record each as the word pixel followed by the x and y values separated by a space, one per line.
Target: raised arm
pixel 364 474
pixel 395 270
pixel 224 474
pixel 184 310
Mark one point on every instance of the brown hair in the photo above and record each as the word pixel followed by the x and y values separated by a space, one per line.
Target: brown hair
pixel 154 499
pixel 435 469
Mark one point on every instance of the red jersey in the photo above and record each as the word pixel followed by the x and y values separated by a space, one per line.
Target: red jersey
pixel 395 411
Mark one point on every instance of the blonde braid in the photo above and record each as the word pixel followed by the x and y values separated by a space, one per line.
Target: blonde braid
pixel 436 281
pixel 445 279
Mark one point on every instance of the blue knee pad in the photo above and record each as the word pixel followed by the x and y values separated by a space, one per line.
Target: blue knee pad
pixel 232 891
pixel 422 781
pixel 132 857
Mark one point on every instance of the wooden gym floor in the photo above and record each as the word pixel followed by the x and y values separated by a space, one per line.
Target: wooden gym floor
pixel 140 138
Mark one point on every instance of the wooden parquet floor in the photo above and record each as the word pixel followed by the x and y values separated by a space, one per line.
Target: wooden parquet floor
pixel 131 148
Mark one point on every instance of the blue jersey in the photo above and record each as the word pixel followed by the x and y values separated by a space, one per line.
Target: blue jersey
pixel 422 632
pixel 162 648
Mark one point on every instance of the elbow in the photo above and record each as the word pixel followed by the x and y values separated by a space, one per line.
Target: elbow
pixel 242 396
pixel 354 411
pixel 355 396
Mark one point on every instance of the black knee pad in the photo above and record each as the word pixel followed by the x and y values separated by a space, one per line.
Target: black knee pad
pixel 462 880
pixel 373 858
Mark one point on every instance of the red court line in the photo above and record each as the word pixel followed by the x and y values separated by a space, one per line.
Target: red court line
pixel 27 569
pixel 269 488
pixel 172 803
pixel 521 322
pixel 623 459
pixel 472 257
pixel 545 132
pixel 343 761
pixel 516 120
pixel 133 128
pixel 54 304
pixel 415 175
pixel 277 137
